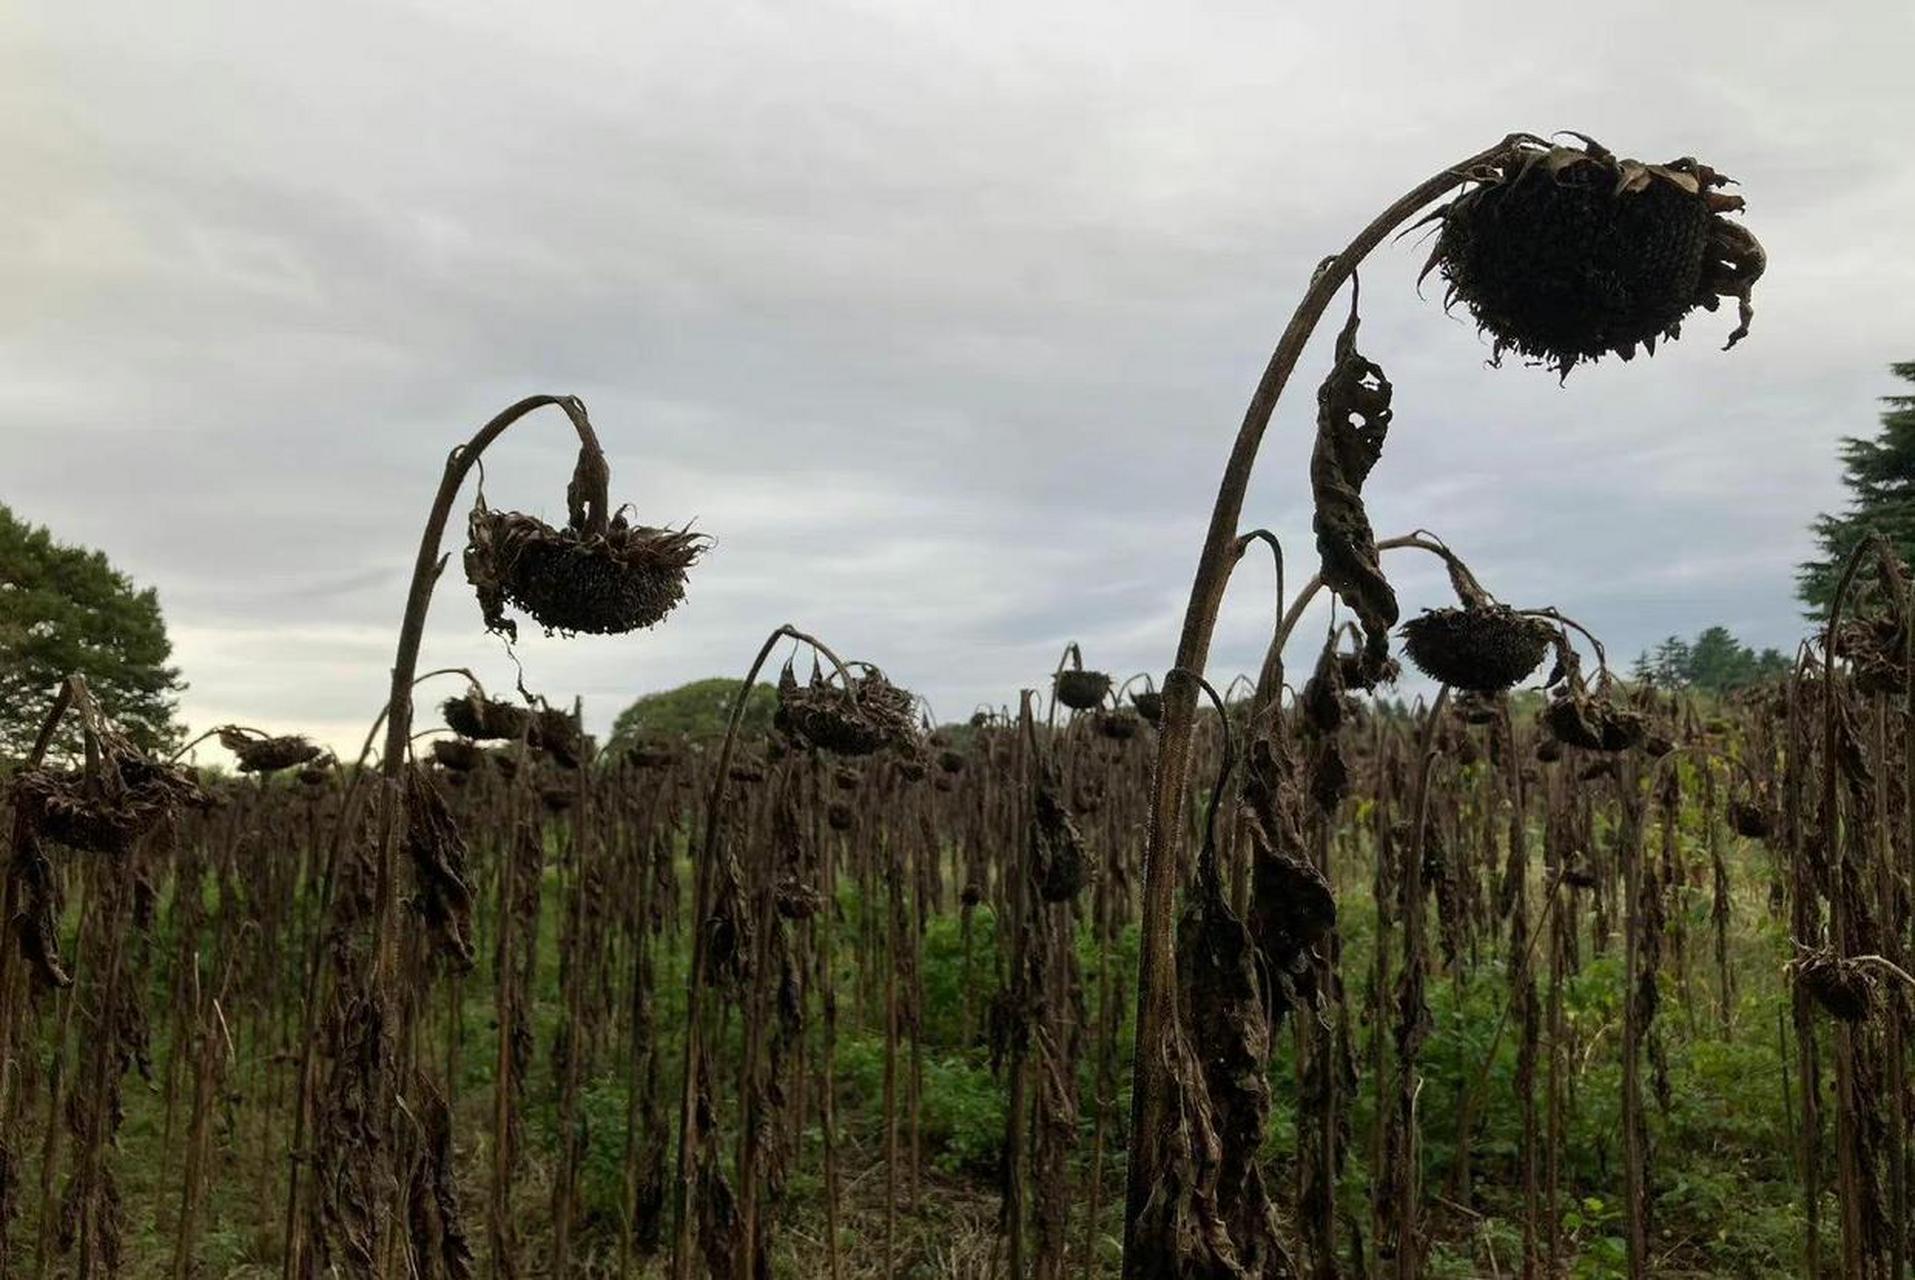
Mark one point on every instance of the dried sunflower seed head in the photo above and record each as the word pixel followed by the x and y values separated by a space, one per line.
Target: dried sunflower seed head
pixel 856 720
pixel 1593 721
pixel 108 806
pixel 1873 647
pixel 570 581
pixel 485 719
pixel 1565 254
pixel 558 735
pixel 1081 690
pixel 261 754
pixel 1482 649
pixel 457 755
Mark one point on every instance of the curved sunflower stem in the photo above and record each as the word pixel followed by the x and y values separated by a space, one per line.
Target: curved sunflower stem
pixel 1420 539
pixel 1156 993
pixel 703 877
pixel 586 496
pixel 1075 657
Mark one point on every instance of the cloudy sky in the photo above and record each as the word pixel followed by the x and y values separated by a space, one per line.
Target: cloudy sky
pixel 940 318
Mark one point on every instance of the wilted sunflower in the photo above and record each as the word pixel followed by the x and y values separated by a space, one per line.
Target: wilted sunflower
pixel 1593 721
pixel 485 719
pixel 1564 254
pixel 1081 690
pixel 1484 648
pixel 852 720
pixel 571 580
pixel 557 734
pixel 457 755
pixel 1875 649
pixel 1149 704
pixel 259 753
pixel 107 806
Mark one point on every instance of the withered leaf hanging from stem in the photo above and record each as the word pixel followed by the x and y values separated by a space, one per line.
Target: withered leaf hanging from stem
pixel 1353 417
pixel 438 855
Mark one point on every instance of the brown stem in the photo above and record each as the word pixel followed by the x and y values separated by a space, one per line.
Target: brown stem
pixel 1156 996
pixel 701 902
pixel 1847 1145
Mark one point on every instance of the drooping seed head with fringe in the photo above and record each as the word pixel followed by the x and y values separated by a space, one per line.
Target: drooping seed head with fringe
pixel 1482 649
pixel 1564 254
pixel 571 581
pixel 259 753
pixel 856 720
pixel 107 806
pixel 485 719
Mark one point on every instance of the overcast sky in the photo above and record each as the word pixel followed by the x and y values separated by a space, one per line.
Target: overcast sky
pixel 939 318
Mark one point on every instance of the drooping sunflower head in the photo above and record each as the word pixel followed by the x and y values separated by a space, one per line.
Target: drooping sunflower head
pixel 264 753
pixel 1481 648
pixel 573 580
pixel 107 805
pixel 867 716
pixel 457 755
pixel 1081 690
pixel 1593 721
pixel 1564 254
pixel 473 715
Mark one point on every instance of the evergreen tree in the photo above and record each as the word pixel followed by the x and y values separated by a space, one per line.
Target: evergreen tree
pixel 1879 474
pixel 1714 662
pixel 1667 665
pixel 66 609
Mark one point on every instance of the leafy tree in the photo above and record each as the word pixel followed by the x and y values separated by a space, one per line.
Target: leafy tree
pixel 1879 474
pixel 700 709
pixel 66 609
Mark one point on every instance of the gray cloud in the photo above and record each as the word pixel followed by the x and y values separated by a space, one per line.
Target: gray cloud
pixel 941 324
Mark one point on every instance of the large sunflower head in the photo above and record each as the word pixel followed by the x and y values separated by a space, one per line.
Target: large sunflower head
pixel 1483 648
pixel 575 580
pixel 858 719
pixel 1081 690
pixel 1566 253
